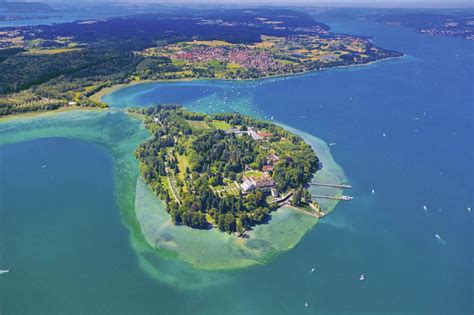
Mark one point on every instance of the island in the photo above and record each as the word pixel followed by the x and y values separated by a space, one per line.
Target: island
pixel 224 170
pixel 46 67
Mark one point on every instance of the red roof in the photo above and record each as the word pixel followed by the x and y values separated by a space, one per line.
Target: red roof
pixel 267 168
pixel 264 134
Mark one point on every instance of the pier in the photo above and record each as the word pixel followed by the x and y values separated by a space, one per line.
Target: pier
pixel 344 198
pixel 283 199
pixel 344 186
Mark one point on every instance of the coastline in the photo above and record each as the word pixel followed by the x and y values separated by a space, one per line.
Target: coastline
pixel 108 90
pixel 152 236
pixel 49 112
pixel 285 229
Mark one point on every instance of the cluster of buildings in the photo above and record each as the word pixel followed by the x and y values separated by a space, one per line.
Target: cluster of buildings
pixel 263 182
pixel 256 135
pixel 245 57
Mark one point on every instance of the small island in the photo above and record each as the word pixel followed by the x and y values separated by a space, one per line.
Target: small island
pixel 224 170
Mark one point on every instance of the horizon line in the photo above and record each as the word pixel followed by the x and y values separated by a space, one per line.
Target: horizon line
pixel 324 4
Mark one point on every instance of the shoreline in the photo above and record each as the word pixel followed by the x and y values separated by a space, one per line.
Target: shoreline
pixel 148 222
pixel 108 90
pixel 36 114
pixel 276 237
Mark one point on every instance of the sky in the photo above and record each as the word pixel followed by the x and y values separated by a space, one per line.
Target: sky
pixel 337 3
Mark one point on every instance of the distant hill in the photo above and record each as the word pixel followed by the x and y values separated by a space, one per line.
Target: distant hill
pixel 24 7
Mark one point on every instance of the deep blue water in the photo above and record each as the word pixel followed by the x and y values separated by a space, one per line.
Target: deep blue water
pixel 404 128
pixel 423 103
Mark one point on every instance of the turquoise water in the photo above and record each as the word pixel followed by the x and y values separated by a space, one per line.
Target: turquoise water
pixel 423 103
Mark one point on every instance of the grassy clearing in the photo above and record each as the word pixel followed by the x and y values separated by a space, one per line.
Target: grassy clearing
pixel 183 162
pixel 213 43
pixel 198 124
pixel 285 146
pixel 233 66
pixel 220 124
pixel 232 189
pixel 286 62
pixel 253 173
pixel 164 183
pixel 51 51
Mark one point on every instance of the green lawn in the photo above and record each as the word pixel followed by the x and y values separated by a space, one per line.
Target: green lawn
pixel 233 66
pixel 183 162
pixel 285 146
pixel 220 124
pixel 198 124
pixel 253 173
pixel 164 183
pixel 231 189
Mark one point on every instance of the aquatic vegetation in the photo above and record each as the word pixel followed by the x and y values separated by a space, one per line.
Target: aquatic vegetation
pixel 223 170
pixel 211 249
pixel 152 235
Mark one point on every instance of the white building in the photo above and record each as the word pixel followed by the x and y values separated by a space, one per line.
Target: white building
pixel 247 185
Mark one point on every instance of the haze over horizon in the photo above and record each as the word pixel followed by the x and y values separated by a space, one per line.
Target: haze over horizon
pixel 339 3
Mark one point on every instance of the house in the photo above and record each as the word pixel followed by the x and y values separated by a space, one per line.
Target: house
pixel 72 103
pixel 264 134
pixel 272 158
pixel 263 182
pixel 247 185
pixel 253 134
pixel 267 168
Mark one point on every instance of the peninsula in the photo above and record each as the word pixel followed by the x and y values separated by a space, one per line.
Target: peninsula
pixel 223 170
pixel 439 24
pixel 45 67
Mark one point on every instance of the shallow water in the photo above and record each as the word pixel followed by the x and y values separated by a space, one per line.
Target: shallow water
pixel 402 128
pixel 423 103
pixel 215 250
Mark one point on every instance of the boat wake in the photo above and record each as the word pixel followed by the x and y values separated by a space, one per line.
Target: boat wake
pixel 4 271
pixel 440 240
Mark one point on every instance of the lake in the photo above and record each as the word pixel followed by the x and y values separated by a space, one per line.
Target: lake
pixel 402 128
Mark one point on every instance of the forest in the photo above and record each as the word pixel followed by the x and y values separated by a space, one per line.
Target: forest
pixel 197 169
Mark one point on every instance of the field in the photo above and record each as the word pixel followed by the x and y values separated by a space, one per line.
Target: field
pixel 54 51
pixel 198 124
pixel 253 174
pixel 230 189
pixel 210 43
pixel 219 124
pixel 183 163
pixel 285 146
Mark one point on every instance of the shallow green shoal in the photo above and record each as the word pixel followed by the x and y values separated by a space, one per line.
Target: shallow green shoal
pixel 165 251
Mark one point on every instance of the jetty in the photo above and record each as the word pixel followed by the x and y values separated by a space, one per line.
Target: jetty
pixel 343 186
pixel 344 198
pixel 283 199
